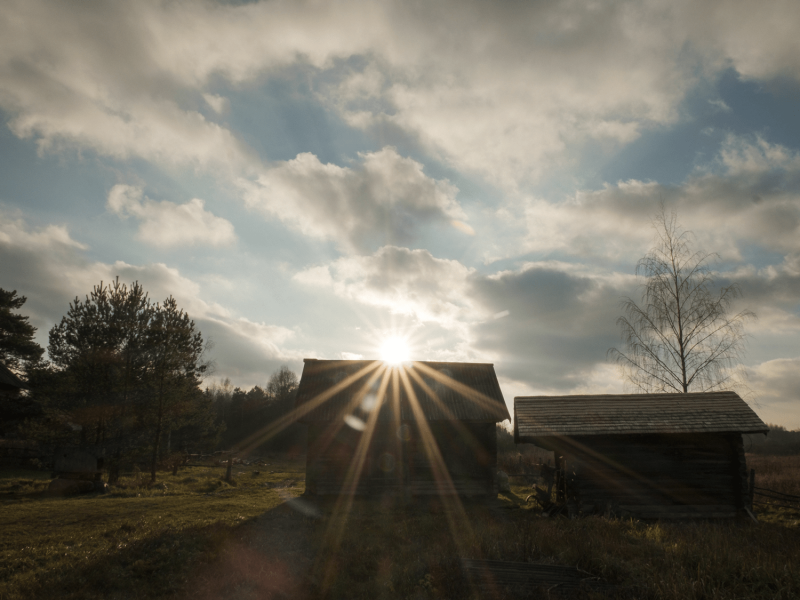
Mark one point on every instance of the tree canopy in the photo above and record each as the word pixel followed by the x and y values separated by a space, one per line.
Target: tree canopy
pixel 128 372
pixel 682 336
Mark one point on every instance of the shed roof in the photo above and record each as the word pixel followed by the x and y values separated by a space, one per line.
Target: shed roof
pixel 708 412
pixel 9 380
pixel 444 391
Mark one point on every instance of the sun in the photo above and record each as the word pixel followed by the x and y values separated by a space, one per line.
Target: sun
pixel 394 350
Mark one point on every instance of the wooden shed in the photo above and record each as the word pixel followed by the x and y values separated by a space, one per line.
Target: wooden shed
pixel 645 455
pixel 419 428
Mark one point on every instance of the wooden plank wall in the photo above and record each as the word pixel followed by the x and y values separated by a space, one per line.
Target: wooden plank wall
pixel 657 476
pixel 397 461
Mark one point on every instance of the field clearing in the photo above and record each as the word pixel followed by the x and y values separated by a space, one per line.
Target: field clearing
pixel 201 538
pixel 136 541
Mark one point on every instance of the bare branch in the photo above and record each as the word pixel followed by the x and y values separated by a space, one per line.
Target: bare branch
pixel 681 335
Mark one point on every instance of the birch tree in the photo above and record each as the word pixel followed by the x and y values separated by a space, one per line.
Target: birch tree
pixel 682 336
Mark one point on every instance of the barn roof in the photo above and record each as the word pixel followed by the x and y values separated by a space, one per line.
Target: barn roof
pixel 708 412
pixel 9 381
pixel 444 391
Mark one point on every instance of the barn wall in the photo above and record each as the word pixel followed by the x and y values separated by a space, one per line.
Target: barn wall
pixel 397 460
pixel 657 475
pixel 329 457
pixel 469 455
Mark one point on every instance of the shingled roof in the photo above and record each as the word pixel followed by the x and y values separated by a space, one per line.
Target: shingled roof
pixel 445 391
pixel 709 412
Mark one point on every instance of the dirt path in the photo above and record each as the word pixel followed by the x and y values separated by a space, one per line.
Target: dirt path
pixel 270 558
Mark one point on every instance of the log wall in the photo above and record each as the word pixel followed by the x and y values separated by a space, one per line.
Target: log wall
pixel 399 461
pixel 657 476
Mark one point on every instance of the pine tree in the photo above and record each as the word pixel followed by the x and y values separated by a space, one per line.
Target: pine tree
pixel 18 349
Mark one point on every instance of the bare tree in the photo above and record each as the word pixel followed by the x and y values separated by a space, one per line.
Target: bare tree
pixel 682 337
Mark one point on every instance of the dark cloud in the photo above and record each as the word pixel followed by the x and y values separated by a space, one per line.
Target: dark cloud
pixel 560 323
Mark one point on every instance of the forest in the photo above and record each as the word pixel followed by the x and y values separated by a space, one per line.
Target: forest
pixel 126 379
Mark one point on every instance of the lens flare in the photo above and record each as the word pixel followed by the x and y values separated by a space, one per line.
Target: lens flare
pixel 394 350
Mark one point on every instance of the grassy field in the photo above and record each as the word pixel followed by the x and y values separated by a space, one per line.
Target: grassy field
pixel 134 542
pixel 194 536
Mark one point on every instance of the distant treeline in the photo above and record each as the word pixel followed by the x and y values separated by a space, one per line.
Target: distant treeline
pixel 246 414
pixel 779 441
pixel 123 381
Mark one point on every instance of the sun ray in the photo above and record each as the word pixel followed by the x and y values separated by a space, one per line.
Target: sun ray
pixel 457 424
pixel 344 502
pixel 453 508
pixel 256 439
pixel 474 395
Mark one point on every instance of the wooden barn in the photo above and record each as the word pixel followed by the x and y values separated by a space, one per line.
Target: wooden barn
pixel 645 455
pixel 421 428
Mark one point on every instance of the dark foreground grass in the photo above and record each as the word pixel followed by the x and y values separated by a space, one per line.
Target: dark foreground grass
pixel 407 554
pixel 200 538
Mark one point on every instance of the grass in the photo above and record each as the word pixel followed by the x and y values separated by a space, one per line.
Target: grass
pixel 198 537
pixel 779 473
pixel 136 541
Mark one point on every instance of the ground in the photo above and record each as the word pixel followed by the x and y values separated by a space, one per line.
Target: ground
pixel 195 536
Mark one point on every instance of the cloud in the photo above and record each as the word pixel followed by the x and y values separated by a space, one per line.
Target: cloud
pixel 218 103
pixel 51 268
pixel 165 224
pixel 775 383
pixel 383 199
pixel 533 81
pixel 407 282
pixel 547 324
pixel 560 321
pixel 748 195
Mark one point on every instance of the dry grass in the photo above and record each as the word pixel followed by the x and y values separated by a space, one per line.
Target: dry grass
pixel 200 538
pixel 779 473
pixel 138 541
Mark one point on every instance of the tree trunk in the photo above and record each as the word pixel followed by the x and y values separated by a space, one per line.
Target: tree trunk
pixel 113 467
pixel 158 430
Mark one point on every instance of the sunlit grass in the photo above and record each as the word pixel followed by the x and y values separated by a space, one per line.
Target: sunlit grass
pixel 136 537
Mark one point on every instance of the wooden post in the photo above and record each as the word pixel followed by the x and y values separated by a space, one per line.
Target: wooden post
pixel 751 490
pixel 230 467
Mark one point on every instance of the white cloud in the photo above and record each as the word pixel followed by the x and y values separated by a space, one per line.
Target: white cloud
pixel 165 224
pixel 775 384
pixel 531 81
pixel 547 324
pixel 748 195
pixel 381 200
pixel 407 282
pixel 218 103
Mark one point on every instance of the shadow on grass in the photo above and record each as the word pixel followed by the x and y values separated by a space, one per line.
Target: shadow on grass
pixel 198 562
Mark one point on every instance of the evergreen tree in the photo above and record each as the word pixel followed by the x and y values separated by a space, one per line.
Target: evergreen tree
pixel 18 349
pixel 174 349
pixel 128 372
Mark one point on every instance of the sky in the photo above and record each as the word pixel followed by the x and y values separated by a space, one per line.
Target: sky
pixel 309 179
